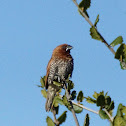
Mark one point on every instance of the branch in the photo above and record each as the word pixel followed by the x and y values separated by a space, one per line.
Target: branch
pixel 111 118
pixel 81 106
pixel 55 120
pixel 96 112
pixel 72 110
pixel 68 98
pixel 91 24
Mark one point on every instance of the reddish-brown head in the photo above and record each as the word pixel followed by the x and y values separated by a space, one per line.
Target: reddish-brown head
pixel 62 50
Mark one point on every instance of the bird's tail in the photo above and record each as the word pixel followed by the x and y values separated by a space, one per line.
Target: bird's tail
pixel 50 96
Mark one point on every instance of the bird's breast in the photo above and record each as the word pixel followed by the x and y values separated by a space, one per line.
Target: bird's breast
pixel 65 68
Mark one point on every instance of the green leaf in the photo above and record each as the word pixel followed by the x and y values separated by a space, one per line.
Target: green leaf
pixel 70 85
pixel 124 109
pixel 102 114
pixel 86 122
pixel 44 93
pixel 49 121
pixel 111 106
pixel 65 102
pixel 57 83
pixel 80 96
pixel 90 100
pixel 119 112
pixel 96 21
pixel 57 100
pixel 62 118
pixel 94 34
pixel 73 95
pixel 100 101
pixel 119 121
pixel 95 95
pixel 121 51
pixel 106 94
pixel 42 81
pixel 121 55
pixel 124 117
pixel 39 86
pixel 117 41
pixel 68 79
pixel 84 5
pixel 77 109
pixel 101 93
pixel 107 100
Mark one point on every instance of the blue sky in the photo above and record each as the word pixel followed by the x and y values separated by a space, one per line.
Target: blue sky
pixel 30 30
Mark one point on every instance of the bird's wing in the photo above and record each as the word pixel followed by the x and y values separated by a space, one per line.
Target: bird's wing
pixel 48 70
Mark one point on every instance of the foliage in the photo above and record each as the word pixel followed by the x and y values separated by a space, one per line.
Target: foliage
pixel 120 118
pixel 102 100
pixel 84 5
pixel 49 121
pixel 62 118
pixel 80 96
pixel 121 51
pixel 95 34
pixel 86 122
pixel 121 55
pixel 117 41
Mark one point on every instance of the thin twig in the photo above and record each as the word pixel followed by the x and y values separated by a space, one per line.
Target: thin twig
pixel 96 112
pixel 111 118
pixel 91 24
pixel 72 110
pixel 82 106
pixel 55 120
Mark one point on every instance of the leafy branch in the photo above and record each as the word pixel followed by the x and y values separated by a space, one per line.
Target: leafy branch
pixel 120 54
pixel 72 109
pixel 110 117
pixel 104 102
pixel 93 30
pixel 82 106
pixel 101 100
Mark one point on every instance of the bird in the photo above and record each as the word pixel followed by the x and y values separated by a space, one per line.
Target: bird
pixel 59 67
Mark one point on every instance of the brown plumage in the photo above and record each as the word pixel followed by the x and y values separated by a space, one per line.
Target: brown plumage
pixel 58 69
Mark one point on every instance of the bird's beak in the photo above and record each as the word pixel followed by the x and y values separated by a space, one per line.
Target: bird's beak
pixel 69 47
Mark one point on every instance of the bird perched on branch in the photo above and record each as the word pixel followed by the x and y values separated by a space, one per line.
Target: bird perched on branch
pixel 59 68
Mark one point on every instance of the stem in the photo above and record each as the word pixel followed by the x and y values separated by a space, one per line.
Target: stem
pixel 72 110
pixel 111 118
pixel 88 109
pixel 85 107
pixel 55 120
pixel 91 24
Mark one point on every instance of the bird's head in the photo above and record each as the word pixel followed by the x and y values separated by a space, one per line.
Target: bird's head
pixel 63 49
